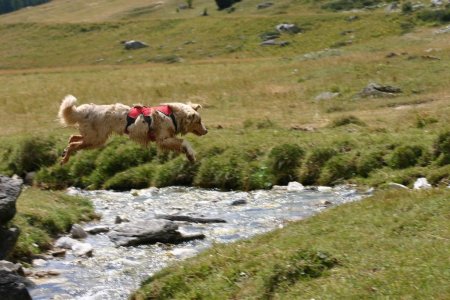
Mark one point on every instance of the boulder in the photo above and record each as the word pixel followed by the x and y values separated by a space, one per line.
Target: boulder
pixel 132 45
pixel 422 183
pixel 239 202
pixel 190 219
pixel 65 242
pixel 12 267
pixel 149 232
pixel 274 43
pixel 288 28
pixel 378 90
pixel 82 249
pixel 295 186
pixel 97 229
pixel 8 239
pixel 264 5
pixel 13 286
pixel 77 232
pixel 9 192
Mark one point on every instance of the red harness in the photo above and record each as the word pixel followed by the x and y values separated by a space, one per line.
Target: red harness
pixel 147 112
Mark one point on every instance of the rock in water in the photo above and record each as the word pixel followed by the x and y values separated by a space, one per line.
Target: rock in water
pixel 78 232
pixel 9 192
pixel 149 232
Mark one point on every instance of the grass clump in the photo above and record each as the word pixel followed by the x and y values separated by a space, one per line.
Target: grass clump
pixel 178 171
pixel 435 16
pixel 442 149
pixel 284 160
pixel 343 121
pixel 133 178
pixel 29 154
pixel 337 169
pixel 405 156
pixel 339 5
pixel 312 166
pixel 42 215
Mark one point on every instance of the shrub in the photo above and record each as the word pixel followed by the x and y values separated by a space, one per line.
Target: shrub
pixel 284 160
pixel 337 5
pixel 258 177
pixel 337 168
pixel 56 177
pixel 178 171
pixel 311 168
pixel 437 16
pixel 135 178
pixel 346 121
pixel 82 166
pixel 405 156
pixel 442 149
pixel 407 7
pixel 224 171
pixel 30 154
pixel 222 4
pixel 118 157
pixel 367 162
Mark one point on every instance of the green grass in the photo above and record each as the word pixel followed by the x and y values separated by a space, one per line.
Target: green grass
pixel 392 245
pixel 41 215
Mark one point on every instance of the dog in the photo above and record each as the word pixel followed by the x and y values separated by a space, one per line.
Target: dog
pixel 161 124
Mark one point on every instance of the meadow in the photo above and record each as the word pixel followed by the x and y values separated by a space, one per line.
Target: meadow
pixel 268 123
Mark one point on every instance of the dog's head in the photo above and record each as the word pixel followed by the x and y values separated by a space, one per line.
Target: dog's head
pixel 188 118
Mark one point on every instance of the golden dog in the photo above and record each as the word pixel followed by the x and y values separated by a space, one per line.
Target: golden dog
pixel 160 124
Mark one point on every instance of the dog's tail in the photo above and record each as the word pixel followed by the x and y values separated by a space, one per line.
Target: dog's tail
pixel 66 111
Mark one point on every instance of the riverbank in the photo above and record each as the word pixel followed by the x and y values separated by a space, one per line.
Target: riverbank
pixel 394 244
pixel 42 215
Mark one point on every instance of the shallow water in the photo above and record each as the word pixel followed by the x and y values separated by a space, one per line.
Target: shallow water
pixel 114 272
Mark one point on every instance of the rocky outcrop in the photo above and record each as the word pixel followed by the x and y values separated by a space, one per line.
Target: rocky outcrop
pixel 9 192
pixel 149 232
pixel 133 45
pixel 13 286
pixel 378 90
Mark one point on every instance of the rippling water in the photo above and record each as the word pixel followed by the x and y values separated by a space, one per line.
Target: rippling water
pixel 114 272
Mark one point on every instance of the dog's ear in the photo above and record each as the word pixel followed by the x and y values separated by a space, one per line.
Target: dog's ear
pixel 195 106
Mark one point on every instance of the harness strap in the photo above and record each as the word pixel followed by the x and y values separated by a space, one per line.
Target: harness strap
pixel 137 110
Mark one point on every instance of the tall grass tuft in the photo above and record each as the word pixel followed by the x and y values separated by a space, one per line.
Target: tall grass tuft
pixel 284 160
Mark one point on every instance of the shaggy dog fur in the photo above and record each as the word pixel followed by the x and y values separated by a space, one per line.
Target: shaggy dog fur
pixel 96 123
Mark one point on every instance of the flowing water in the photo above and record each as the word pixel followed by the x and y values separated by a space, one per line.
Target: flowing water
pixel 114 272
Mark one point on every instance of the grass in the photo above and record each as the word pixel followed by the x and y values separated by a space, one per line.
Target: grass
pixel 41 215
pixel 394 244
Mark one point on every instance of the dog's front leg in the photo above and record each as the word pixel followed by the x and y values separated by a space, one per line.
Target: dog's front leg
pixel 178 145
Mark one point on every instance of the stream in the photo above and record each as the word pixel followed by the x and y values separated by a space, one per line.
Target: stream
pixel 114 272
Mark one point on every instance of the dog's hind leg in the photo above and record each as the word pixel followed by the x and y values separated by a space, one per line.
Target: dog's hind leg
pixel 72 148
pixel 75 138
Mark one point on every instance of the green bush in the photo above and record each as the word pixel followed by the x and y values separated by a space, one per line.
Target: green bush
pixel 258 177
pixel 337 5
pixel 118 157
pixel 82 166
pixel 314 161
pixel 338 168
pixel 178 171
pixel 437 16
pixel 346 121
pixel 367 162
pixel 442 149
pixel 222 4
pixel 405 156
pixel 224 171
pixel 30 154
pixel 134 178
pixel 55 177
pixel 284 160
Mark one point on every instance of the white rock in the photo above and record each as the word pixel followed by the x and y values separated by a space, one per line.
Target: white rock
pixel 421 183
pixel 65 242
pixel 39 262
pixel 294 186
pixel 82 249
pixel 324 188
